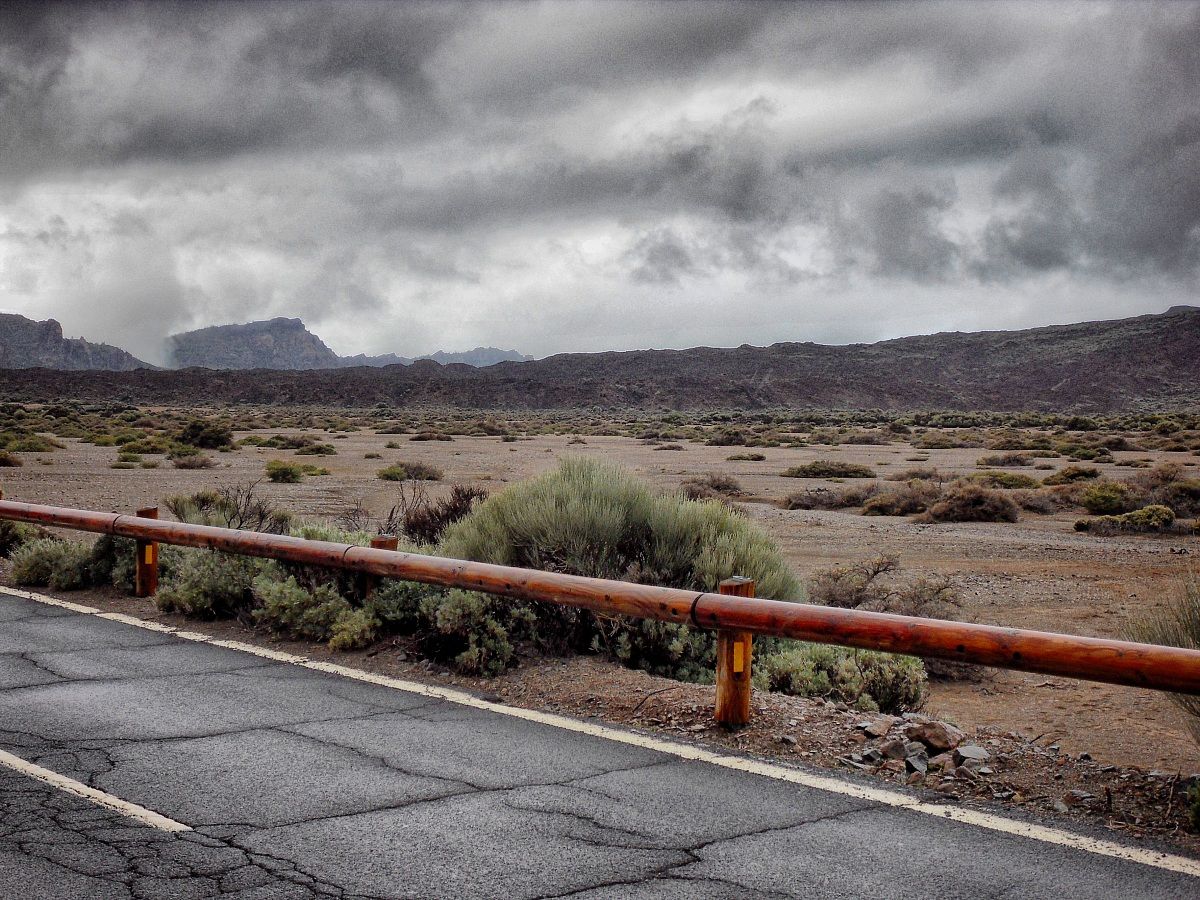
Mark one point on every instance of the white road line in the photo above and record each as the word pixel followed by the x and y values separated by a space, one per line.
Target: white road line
pixel 100 798
pixel 881 795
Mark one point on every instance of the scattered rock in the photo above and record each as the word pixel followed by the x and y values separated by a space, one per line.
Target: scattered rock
pixel 787 739
pixel 1074 798
pixel 937 736
pixel 970 753
pixel 893 749
pixel 918 763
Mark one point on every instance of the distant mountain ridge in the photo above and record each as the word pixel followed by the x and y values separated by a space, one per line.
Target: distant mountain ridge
pixel 26 343
pixel 286 345
pixel 1149 362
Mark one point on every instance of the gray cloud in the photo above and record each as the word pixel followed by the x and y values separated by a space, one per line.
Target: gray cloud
pixel 588 175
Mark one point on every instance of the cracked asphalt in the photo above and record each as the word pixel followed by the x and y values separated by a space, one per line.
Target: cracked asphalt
pixel 298 783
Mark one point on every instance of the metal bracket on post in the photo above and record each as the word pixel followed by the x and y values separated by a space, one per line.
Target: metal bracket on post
pixel 735 649
pixel 146 579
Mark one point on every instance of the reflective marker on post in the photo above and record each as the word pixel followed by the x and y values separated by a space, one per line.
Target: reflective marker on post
pixel 146 578
pixel 734 654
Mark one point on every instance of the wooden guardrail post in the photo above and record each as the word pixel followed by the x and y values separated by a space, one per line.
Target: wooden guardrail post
pixel 734 651
pixel 146 578
pixel 379 542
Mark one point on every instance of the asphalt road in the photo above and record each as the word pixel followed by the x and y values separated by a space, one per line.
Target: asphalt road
pixel 298 783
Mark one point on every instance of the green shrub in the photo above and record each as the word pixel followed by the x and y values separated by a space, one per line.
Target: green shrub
pixel 211 585
pixel 8 461
pixel 353 630
pixel 34 443
pixel 317 450
pixel 590 518
pixel 863 679
pixel 1107 498
pixel 284 607
pixel 407 471
pixel 281 472
pixel 829 468
pixel 968 502
pixel 1005 480
pixel 49 562
pixel 1148 519
pixel 206 435
pixel 14 534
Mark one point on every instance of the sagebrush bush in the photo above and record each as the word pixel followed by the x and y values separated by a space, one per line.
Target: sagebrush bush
pixel 863 679
pixel 590 518
pixel 281 472
pixel 1071 474
pixel 1148 519
pixel 406 471
pixel 284 607
pixel 14 534
pixel 829 468
pixel 211 585
pixel 1107 498
pixel 49 562
pixel 1005 480
pixel 965 501
pixel 8 461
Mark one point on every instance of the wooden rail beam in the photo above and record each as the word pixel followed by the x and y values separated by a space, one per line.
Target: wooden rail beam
pixel 1172 669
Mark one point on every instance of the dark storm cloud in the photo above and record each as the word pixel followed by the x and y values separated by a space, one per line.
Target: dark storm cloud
pixel 393 161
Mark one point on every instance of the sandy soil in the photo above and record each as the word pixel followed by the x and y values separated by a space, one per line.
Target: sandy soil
pixel 1037 573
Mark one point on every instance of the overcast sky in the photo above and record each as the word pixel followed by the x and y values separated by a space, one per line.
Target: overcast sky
pixel 571 176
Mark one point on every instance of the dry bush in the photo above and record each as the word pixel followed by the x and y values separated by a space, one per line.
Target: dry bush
pixel 410 471
pixel 829 468
pixel 193 461
pixel 965 501
pixel 914 497
pixel 871 586
pixel 1178 625
pixel 920 473
pixel 830 498
pixel 1003 460
pixel 704 487
pixel 8 461
pixel 431 436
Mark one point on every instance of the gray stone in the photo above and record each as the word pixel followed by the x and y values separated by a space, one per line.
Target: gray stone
pixel 970 752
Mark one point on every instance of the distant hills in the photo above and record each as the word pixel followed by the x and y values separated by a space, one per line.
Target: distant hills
pixel 278 344
pixel 25 343
pixel 286 345
pixel 1146 362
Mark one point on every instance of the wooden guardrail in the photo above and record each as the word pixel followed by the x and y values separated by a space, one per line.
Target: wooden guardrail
pixel 732 614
